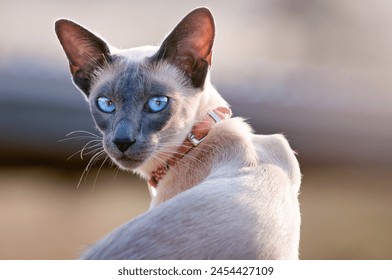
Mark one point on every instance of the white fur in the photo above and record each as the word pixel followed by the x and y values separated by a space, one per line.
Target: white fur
pixel 244 205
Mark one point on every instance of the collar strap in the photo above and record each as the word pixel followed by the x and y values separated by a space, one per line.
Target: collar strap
pixel 195 137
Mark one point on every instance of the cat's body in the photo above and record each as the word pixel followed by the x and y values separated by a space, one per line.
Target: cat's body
pixel 233 196
pixel 246 207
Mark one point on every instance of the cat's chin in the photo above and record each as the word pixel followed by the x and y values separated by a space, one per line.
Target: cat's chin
pixel 128 163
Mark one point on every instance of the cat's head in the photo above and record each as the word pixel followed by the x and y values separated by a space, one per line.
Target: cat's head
pixel 143 100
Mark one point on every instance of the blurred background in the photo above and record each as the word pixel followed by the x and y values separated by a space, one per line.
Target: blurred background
pixel 318 71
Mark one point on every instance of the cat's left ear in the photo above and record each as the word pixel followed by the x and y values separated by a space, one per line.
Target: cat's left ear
pixel 86 52
pixel 189 45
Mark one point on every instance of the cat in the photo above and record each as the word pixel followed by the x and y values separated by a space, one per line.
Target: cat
pixel 219 191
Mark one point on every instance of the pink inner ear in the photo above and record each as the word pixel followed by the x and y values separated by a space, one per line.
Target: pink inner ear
pixel 84 50
pixel 190 42
pixel 203 46
pixel 81 54
pixel 198 31
pixel 73 68
pixel 189 45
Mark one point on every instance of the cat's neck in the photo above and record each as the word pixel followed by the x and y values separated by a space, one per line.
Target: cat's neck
pixel 210 99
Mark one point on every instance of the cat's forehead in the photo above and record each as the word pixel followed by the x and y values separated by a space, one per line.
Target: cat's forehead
pixel 133 68
pixel 124 64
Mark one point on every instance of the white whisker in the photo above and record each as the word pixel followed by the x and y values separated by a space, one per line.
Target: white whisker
pixel 92 149
pixel 90 163
pixel 99 170
pixel 85 132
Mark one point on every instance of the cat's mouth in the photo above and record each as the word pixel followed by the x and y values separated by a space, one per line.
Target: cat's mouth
pixel 129 159
pixel 128 162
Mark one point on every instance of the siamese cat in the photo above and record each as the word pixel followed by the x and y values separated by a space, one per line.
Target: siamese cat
pixel 218 190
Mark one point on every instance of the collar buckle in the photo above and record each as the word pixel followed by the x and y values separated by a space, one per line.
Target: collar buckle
pixel 192 138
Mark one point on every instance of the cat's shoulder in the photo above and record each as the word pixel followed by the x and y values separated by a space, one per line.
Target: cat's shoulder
pixel 275 149
pixel 260 150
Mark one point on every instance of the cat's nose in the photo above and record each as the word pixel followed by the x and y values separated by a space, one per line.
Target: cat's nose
pixel 123 143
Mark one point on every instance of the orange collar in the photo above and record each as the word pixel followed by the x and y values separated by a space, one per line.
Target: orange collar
pixel 195 137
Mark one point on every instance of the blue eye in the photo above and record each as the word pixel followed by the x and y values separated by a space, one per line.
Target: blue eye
pixel 157 103
pixel 105 105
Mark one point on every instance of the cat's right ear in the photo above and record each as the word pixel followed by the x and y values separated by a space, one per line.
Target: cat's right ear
pixel 85 51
